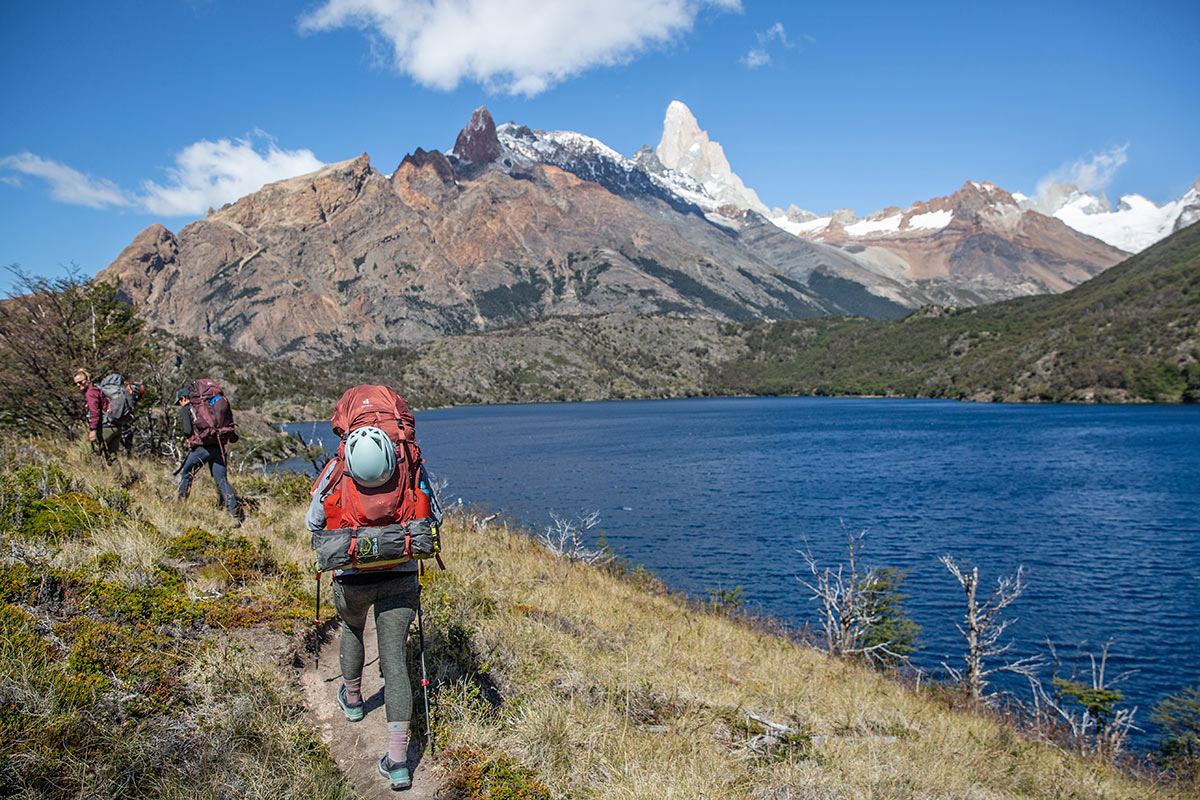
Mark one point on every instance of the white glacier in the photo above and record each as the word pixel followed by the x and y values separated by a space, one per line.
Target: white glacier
pixel 932 220
pixel 869 226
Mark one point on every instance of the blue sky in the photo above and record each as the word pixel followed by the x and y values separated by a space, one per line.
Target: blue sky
pixel 120 115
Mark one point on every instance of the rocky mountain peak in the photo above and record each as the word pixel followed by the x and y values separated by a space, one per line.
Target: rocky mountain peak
pixel 433 160
pixel 142 261
pixel 647 160
pixel 477 142
pixel 680 132
pixel 1189 213
pixel 981 197
pixel 685 148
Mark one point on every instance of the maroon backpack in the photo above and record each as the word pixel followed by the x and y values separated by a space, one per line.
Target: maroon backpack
pixel 212 417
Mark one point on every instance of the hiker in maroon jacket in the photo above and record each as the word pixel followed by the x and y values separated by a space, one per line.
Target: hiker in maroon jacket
pixel 200 455
pixel 105 439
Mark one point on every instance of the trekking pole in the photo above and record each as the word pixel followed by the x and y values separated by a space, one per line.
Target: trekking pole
pixel 317 627
pixel 424 677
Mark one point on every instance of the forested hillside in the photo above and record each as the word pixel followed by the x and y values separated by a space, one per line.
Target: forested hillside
pixel 1129 334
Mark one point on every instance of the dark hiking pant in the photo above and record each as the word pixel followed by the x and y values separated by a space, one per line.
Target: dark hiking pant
pixel 216 465
pixel 108 445
pixel 395 601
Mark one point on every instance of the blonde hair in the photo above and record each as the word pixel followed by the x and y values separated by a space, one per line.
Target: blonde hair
pixel 82 373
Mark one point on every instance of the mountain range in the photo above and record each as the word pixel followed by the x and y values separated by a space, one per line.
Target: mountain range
pixel 515 224
pixel 1131 334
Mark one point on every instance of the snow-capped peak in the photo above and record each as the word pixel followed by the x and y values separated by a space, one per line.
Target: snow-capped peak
pixel 686 148
pixel 1136 223
pixel 550 146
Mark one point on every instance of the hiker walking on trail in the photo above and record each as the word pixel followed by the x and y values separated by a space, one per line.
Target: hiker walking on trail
pixel 207 422
pixel 107 424
pixel 370 520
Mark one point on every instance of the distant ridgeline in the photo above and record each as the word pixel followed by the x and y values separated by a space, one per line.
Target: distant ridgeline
pixel 1128 335
pixel 1131 333
pixel 515 226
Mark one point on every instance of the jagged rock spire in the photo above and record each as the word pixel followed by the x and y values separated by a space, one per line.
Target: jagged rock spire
pixel 477 142
pixel 686 148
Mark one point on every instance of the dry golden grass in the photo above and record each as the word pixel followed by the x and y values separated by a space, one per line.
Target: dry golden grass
pixel 604 688
pixel 611 691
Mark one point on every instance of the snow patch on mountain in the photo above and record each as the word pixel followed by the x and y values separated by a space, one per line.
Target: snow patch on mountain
pixel 869 227
pixel 931 220
pixel 592 160
pixel 807 228
pixel 1134 225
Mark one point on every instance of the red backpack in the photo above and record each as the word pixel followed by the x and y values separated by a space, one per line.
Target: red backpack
pixel 349 505
pixel 212 416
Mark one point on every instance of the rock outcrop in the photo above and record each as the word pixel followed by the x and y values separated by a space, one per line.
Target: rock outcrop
pixel 477 142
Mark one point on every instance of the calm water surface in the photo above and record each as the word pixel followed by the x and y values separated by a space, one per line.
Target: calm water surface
pixel 1099 503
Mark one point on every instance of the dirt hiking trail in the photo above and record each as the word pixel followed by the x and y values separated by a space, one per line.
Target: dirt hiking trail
pixel 357 746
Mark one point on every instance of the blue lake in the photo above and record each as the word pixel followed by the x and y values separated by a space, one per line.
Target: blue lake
pixel 1100 503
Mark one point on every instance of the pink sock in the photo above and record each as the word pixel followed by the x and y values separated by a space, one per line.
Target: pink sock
pixel 354 691
pixel 398 742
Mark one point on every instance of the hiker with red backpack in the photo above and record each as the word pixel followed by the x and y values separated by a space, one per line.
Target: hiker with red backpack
pixel 372 522
pixel 207 421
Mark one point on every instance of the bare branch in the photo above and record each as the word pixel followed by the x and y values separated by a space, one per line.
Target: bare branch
pixel 982 628
pixel 564 539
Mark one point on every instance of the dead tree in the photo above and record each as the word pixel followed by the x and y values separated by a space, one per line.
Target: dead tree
pixel 851 607
pixel 1097 727
pixel 984 627
pixel 565 539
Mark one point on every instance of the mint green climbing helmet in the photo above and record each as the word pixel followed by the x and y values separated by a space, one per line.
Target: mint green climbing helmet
pixel 370 457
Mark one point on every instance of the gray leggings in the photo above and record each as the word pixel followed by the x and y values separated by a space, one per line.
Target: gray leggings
pixel 395 601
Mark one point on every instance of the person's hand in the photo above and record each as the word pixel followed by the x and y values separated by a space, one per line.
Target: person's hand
pixel 91 436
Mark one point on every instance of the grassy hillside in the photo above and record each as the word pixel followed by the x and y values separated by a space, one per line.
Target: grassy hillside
pixel 1130 334
pixel 150 650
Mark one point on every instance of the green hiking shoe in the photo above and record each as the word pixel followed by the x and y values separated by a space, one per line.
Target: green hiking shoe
pixel 397 774
pixel 353 711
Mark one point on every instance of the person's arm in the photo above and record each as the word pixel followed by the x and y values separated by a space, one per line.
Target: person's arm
pixel 95 407
pixel 185 420
pixel 314 519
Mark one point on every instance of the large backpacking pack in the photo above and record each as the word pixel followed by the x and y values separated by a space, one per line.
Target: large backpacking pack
pixel 212 416
pixel 381 526
pixel 121 399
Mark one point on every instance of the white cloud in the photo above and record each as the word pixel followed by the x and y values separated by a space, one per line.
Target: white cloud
pixel 67 185
pixel 518 46
pixel 1089 174
pixel 759 56
pixel 776 31
pixel 205 174
pixel 214 173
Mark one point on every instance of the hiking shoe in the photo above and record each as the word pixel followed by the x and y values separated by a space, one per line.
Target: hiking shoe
pixel 354 712
pixel 396 773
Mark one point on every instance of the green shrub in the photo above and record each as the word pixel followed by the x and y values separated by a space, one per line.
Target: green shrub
pixel 474 775
pixel 286 486
pixel 69 515
pixel 1178 718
